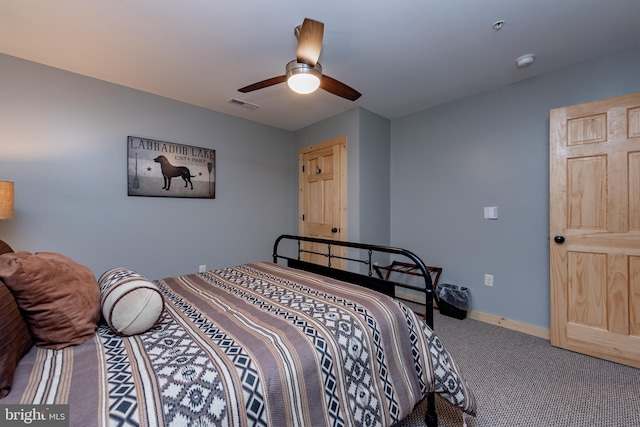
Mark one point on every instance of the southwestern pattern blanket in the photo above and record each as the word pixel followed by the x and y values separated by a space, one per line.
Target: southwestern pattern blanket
pixel 254 345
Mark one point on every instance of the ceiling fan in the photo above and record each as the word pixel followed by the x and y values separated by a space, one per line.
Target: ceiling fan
pixel 304 74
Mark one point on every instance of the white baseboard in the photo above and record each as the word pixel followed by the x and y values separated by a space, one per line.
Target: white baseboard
pixel 526 328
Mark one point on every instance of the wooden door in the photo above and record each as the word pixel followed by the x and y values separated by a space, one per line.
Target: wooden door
pixel 595 228
pixel 323 189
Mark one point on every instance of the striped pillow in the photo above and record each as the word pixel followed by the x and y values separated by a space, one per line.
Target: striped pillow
pixel 15 338
pixel 14 333
pixel 130 303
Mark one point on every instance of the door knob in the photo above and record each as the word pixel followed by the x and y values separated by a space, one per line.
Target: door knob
pixel 334 230
pixel 558 239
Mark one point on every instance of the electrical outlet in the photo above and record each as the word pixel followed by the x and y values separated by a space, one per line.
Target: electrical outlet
pixel 202 268
pixel 488 279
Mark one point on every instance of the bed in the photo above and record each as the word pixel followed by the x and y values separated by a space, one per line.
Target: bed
pixel 278 343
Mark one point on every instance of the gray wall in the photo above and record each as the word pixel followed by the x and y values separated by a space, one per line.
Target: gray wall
pixel 447 163
pixel 375 150
pixel 367 169
pixel 63 141
pixel 345 124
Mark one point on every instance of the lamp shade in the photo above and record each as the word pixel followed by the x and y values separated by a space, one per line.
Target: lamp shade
pixel 303 78
pixel 6 199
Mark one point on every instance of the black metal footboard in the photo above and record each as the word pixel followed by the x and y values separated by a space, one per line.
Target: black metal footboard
pixel 367 280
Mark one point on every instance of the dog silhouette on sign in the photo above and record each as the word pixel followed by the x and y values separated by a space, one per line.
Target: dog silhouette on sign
pixel 169 171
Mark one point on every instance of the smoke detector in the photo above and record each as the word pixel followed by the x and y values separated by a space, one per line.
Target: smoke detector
pixel 525 60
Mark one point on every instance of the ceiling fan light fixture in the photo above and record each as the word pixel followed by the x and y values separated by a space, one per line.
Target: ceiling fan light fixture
pixel 303 78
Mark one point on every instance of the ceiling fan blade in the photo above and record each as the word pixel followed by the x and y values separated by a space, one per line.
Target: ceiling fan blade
pixel 310 41
pixel 338 88
pixel 264 83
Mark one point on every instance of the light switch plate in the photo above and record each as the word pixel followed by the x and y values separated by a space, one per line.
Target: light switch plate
pixel 491 212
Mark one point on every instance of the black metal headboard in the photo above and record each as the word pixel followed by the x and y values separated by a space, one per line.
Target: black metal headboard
pixel 367 280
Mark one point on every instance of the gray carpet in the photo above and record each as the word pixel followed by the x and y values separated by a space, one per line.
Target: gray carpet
pixel 521 380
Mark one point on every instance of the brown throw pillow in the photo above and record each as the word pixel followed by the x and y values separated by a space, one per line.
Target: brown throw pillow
pixel 58 297
pixel 15 338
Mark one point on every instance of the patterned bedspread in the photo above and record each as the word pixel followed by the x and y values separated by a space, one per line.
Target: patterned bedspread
pixel 253 345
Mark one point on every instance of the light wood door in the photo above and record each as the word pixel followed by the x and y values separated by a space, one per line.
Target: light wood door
pixel 595 209
pixel 323 192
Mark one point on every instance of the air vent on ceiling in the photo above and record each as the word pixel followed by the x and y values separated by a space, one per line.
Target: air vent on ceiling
pixel 243 104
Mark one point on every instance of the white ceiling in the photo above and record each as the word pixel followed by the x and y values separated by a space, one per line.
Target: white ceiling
pixel 403 55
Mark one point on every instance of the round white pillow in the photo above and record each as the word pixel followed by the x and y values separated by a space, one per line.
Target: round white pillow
pixel 130 303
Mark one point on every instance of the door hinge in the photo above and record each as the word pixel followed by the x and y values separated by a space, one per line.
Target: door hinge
pixel 303 217
pixel 302 168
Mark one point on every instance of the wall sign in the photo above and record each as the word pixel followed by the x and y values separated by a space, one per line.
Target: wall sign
pixel 166 169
